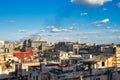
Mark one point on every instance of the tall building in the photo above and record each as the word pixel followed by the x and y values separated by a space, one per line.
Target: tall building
pixel 29 45
pixel 78 41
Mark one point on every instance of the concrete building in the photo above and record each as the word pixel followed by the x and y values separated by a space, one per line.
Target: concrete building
pixel 25 65
pixel 32 45
pixel 76 72
pixel 38 73
pixel 61 57
pixel 64 46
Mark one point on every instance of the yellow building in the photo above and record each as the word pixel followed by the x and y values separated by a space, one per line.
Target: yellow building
pixel 102 61
pixel 117 52
pixel 106 60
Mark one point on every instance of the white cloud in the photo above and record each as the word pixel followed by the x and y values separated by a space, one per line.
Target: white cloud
pixel 89 33
pixel 90 2
pixel 84 37
pixel 55 29
pixel 108 27
pixel 115 31
pixel 42 30
pixel 66 30
pixel 118 4
pixel 84 14
pixel 104 20
pixel 100 23
pixel 66 38
pixel 71 28
pixel 21 31
pixel 105 9
pixel 52 27
pixel 34 35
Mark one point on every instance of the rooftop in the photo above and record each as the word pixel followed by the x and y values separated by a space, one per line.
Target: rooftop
pixel 22 55
pixel 101 57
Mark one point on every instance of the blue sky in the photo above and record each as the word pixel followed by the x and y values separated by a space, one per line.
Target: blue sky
pixel 94 21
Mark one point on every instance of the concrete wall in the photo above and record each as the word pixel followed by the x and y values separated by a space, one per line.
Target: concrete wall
pixel 110 62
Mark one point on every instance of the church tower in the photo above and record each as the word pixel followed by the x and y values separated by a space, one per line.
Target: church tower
pixel 78 41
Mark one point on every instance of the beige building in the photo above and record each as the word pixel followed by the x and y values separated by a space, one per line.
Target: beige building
pixel 6 70
pixel 34 45
pixel 102 61
pixel 21 69
pixel 117 52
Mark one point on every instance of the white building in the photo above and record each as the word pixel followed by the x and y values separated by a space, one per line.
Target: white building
pixel 2 43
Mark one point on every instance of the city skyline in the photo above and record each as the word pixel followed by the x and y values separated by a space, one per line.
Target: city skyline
pixel 94 21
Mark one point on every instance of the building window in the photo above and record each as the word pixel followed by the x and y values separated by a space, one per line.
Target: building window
pixel 97 78
pixel 33 77
pixel 36 77
pixel 30 75
pixel 103 63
